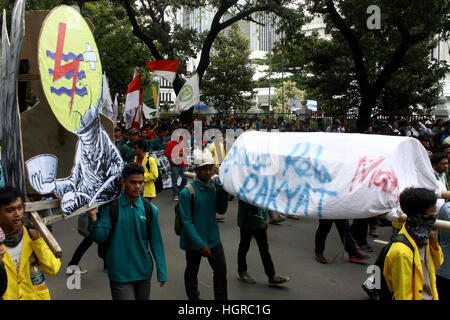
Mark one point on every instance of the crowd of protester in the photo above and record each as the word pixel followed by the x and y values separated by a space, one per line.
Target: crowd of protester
pixel 200 201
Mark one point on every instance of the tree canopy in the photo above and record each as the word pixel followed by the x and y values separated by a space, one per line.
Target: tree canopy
pixel 387 69
pixel 230 74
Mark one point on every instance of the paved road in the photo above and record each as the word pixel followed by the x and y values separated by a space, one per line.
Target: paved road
pixel 291 246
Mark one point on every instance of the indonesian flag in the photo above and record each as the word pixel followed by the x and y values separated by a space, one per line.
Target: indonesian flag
pixel 132 100
pixel 166 69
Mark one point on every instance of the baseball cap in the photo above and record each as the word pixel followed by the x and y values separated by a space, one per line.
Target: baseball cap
pixel 428 122
pixel 132 132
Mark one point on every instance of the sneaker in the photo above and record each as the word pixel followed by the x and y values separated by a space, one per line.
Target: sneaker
pixel 365 247
pixel 276 280
pixel 246 277
pixel 175 198
pixel 71 269
pixel 320 258
pixel 357 257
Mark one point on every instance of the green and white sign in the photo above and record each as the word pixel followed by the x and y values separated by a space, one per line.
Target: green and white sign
pixel 189 95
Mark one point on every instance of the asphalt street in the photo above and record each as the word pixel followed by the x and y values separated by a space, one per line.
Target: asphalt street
pixel 291 246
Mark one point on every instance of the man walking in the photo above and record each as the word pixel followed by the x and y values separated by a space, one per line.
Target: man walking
pixel 150 166
pixel 253 222
pixel 176 153
pixel 129 234
pixel 200 233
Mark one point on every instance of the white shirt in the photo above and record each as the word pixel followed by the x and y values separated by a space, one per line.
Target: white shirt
pixel 16 253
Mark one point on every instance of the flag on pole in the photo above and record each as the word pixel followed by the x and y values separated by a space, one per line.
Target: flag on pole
pixel 166 69
pixel 107 105
pixel 115 110
pixel 150 100
pixel 189 94
pixel 132 101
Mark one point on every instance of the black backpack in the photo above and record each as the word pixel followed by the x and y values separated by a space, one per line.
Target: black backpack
pixel 114 214
pixel 159 186
pixel 178 224
pixel 384 292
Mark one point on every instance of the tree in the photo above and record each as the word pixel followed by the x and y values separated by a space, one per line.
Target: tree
pixel 385 69
pixel 282 102
pixel 151 26
pixel 120 51
pixel 230 73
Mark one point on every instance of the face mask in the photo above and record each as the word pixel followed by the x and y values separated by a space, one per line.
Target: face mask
pixel 421 226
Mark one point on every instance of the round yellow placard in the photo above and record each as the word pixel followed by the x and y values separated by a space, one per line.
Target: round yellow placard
pixel 69 64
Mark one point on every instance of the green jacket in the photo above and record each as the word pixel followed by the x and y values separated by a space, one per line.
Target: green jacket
pixel 200 229
pixel 128 258
pixel 251 217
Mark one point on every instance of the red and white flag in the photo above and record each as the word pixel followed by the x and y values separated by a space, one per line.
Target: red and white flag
pixel 132 101
pixel 166 69
pixel 133 95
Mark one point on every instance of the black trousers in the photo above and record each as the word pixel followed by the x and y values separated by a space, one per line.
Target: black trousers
pixel 358 231
pixel 343 229
pixel 217 263
pixel 136 290
pixel 80 251
pixel 443 288
pixel 263 246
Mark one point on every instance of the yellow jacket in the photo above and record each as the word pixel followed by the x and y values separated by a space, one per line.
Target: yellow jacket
pixel 398 270
pixel 19 285
pixel 215 155
pixel 149 175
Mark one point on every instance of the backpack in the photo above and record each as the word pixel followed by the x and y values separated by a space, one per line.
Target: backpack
pixel 384 292
pixel 159 186
pixel 178 224
pixel 114 214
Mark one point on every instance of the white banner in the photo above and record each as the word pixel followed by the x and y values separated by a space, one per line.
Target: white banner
pixel 108 107
pixel 189 95
pixel 325 175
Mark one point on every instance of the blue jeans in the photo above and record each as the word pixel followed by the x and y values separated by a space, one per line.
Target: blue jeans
pixel 178 170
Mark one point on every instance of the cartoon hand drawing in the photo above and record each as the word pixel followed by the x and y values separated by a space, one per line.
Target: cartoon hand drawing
pixel 71 76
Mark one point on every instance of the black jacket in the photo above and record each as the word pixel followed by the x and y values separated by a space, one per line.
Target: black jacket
pixel 3 280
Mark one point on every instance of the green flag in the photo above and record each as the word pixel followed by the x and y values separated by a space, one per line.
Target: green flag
pixel 150 100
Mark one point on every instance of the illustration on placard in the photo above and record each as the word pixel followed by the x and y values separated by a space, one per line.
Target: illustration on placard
pixel 71 76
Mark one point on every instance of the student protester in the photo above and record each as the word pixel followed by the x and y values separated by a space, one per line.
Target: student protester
pixel 440 164
pixel 410 274
pixel 253 222
pixel 128 258
pixel 176 153
pixel 159 142
pixel 200 233
pixel 150 166
pixel 25 249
